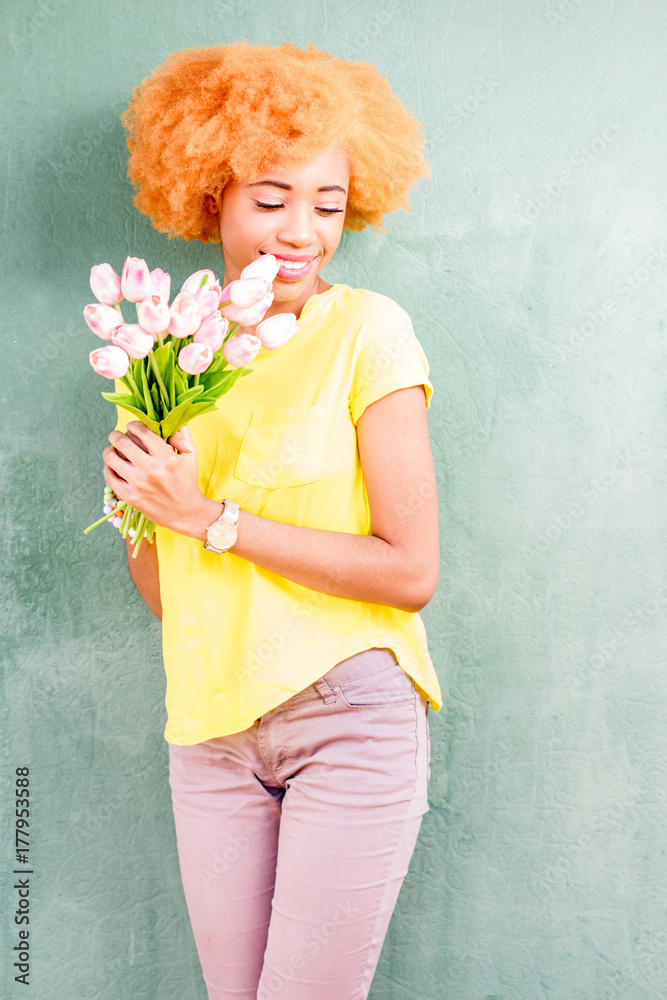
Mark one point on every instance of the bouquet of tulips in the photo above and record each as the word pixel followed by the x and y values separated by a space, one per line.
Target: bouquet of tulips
pixel 177 360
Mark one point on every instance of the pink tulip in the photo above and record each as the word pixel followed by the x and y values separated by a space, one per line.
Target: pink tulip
pixel 102 319
pixel 135 281
pixel 241 350
pixel 246 292
pixel 249 316
pixel 185 316
pixel 161 283
pixel 192 284
pixel 277 330
pixel 195 358
pixel 105 284
pixel 208 298
pixel 212 331
pixel 134 341
pixel 112 362
pixel 153 314
pixel 266 266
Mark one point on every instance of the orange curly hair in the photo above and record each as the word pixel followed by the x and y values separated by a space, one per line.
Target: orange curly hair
pixel 211 115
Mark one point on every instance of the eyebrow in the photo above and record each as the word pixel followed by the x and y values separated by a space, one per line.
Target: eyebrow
pixel 288 187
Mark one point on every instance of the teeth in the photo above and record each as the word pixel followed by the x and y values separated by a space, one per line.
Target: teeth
pixel 294 265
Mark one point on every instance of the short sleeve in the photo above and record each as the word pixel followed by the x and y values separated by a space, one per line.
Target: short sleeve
pixel 391 358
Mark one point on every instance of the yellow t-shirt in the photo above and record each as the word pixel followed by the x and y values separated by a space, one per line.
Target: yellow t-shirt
pixel 239 640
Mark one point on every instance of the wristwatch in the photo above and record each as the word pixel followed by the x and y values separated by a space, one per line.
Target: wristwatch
pixel 222 534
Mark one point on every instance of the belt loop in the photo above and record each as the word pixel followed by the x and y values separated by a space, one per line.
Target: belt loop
pixel 328 696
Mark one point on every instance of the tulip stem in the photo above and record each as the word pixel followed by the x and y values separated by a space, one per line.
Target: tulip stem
pixel 124 526
pixel 196 381
pixel 138 395
pixel 117 509
pixel 158 379
pixel 139 536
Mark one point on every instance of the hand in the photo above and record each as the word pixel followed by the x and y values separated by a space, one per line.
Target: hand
pixel 157 477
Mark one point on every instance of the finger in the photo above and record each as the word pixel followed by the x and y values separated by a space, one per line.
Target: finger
pixel 116 482
pixel 151 440
pixel 117 462
pixel 128 446
pixel 137 440
pixel 182 441
pixel 109 450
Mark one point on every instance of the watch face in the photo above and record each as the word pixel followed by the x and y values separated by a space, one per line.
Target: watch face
pixel 221 535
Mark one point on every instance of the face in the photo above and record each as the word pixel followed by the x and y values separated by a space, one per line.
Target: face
pixel 297 216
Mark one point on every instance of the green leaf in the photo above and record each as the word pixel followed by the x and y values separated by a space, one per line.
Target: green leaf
pixel 162 355
pixel 185 397
pixel 219 362
pixel 210 379
pixel 168 378
pixel 143 385
pixel 177 418
pixel 118 397
pixel 180 382
pixel 231 377
pixel 124 381
pixel 183 414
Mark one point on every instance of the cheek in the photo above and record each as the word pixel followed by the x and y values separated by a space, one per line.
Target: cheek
pixel 333 242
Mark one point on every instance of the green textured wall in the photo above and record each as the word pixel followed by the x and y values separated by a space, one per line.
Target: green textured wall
pixel 534 263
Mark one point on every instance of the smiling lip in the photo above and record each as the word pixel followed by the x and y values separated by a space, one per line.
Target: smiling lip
pixel 295 258
pixel 287 272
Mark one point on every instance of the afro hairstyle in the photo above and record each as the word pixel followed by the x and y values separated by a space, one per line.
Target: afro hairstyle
pixel 209 116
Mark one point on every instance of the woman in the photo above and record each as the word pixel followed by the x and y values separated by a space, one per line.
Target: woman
pixel 297 527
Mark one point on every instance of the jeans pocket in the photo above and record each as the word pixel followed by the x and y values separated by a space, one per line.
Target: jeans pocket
pixel 387 688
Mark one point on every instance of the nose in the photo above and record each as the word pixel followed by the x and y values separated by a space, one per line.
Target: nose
pixel 297 226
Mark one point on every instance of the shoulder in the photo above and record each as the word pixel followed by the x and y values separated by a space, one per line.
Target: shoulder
pixel 384 352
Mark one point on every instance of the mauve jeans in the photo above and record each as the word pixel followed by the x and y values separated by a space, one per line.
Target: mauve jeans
pixel 294 836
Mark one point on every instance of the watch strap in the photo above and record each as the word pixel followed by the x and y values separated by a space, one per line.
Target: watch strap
pixel 230 514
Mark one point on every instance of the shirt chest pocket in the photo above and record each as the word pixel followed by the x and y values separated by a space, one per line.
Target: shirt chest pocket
pixel 283 447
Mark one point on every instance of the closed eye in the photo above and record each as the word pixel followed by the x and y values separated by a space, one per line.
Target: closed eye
pixel 272 207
